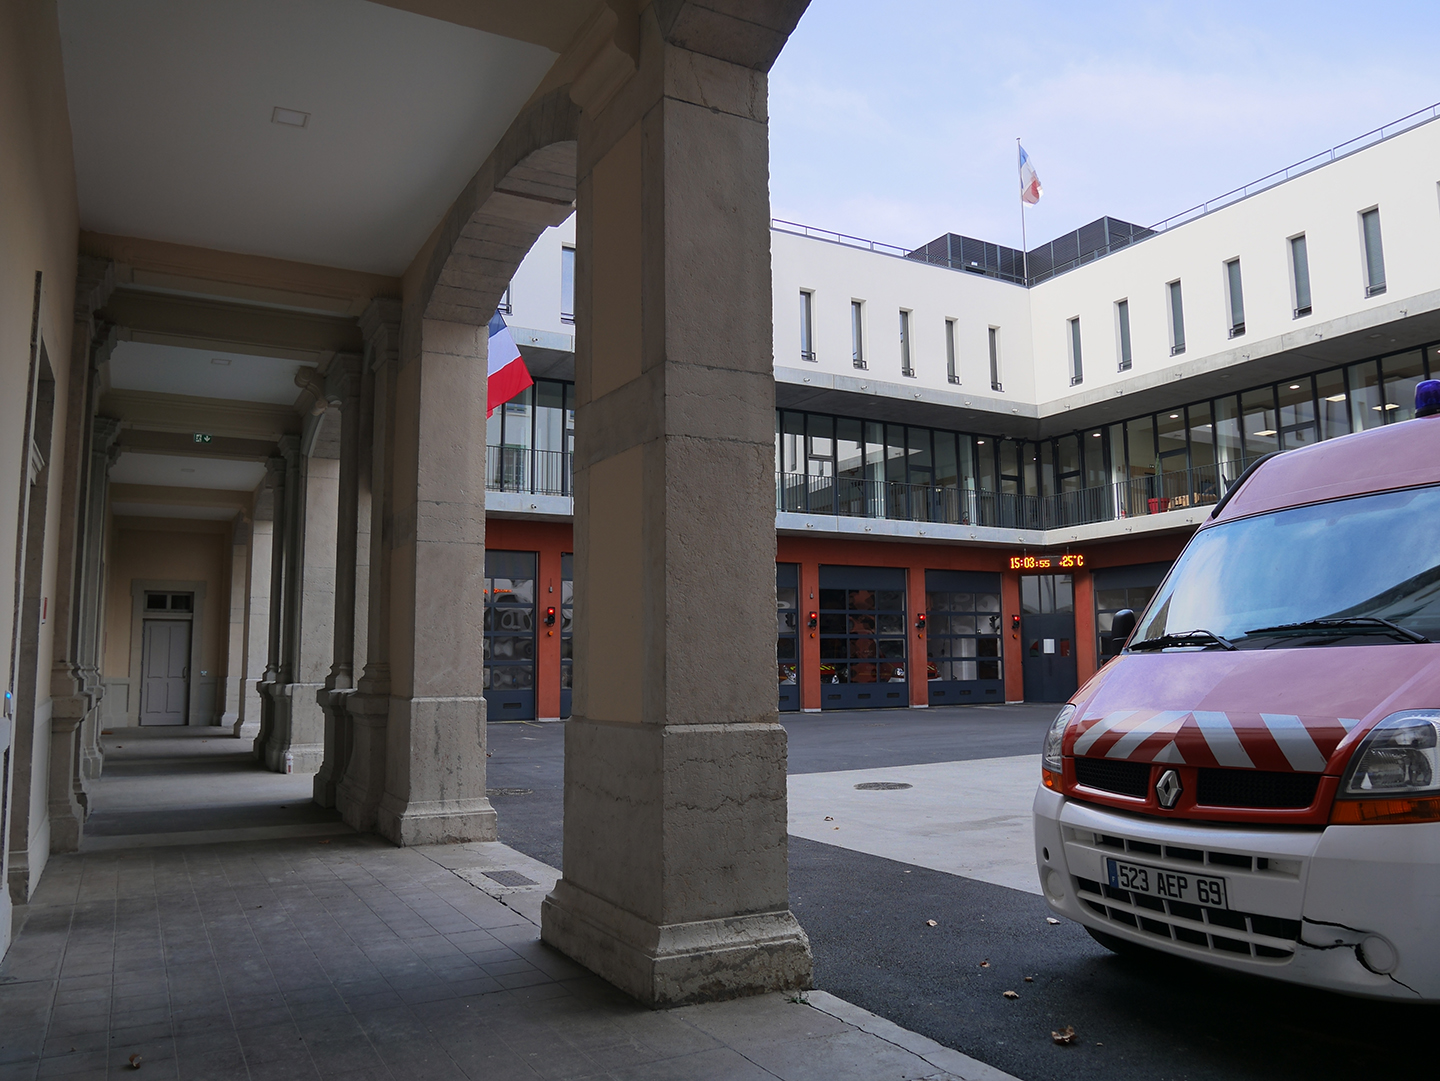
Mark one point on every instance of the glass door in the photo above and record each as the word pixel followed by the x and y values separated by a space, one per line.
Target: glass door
pixel 509 678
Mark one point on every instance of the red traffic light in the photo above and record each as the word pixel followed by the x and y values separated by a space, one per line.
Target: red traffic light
pixel 920 622
pixel 549 617
pixel 813 621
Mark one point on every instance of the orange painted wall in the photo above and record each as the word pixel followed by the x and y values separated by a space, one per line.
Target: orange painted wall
pixel 551 539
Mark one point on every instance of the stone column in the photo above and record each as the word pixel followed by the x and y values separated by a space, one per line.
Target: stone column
pixel 69 694
pixel 279 480
pixel 368 709
pixel 257 613
pixel 435 733
pixel 102 455
pixel 675 877
pixel 297 742
pixel 342 389
pixel 235 639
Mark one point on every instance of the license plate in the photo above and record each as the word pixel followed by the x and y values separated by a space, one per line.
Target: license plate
pixel 1172 885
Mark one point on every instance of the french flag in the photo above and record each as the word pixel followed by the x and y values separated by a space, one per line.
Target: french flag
pixel 508 375
pixel 1030 189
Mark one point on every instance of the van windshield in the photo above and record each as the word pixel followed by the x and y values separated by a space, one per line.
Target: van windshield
pixel 1367 558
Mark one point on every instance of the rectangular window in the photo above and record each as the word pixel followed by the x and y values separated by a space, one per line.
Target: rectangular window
pixel 1374 253
pixel 807 325
pixel 1177 320
pixel 567 284
pixel 857 334
pixel 1077 368
pixel 1236 297
pixel 995 383
pixel 906 368
pixel 1122 326
pixel 1300 274
pixel 951 373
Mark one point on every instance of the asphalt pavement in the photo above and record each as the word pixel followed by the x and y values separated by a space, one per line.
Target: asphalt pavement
pixel 1155 1017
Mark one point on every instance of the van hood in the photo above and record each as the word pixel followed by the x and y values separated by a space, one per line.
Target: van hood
pixel 1296 710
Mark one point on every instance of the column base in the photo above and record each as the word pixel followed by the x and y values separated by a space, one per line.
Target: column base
pixel 667 965
pixel 295 743
pixel 358 794
pixel 435 822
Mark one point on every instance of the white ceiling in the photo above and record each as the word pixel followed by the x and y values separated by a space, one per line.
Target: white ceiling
pixel 183 471
pixel 170 110
pixel 172 369
pixel 173 510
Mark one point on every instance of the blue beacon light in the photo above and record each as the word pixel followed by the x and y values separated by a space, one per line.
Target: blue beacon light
pixel 1427 398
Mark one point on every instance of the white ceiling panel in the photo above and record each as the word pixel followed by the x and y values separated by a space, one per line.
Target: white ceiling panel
pixel 171 105
pixel 173 510
pixel 198 373
pixel 183 471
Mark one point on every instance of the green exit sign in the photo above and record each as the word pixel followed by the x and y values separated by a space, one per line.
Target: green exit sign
pixel 202 437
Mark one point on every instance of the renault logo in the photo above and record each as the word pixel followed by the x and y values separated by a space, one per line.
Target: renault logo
pixel 1167 788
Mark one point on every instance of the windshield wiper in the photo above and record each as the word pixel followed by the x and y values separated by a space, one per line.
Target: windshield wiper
pixel 1372 624
pixel 1197 637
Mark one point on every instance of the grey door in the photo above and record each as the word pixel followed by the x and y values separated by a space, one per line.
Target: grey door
pixel 165 667
pixel 1047 628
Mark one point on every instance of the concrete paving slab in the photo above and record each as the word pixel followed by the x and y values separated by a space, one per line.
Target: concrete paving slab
pixel 967 818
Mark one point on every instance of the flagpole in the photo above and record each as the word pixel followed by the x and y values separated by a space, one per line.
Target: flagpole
pixel 1024 244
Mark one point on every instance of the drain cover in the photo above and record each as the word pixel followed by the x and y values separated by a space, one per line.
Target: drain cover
pixel 509 791
pixel 509 878
pixel 882 786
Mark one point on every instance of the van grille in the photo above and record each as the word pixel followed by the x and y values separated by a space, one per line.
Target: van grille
pixel 1108 775
pixel 1246 934
pixel 1253 788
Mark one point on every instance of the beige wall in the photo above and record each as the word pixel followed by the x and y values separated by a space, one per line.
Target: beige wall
pixel 38 232
pixel 170 549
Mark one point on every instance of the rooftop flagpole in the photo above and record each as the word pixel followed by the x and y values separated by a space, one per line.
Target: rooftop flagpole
pixel 1024 244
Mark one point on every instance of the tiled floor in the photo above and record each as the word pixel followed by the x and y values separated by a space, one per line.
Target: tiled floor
pixel 342 956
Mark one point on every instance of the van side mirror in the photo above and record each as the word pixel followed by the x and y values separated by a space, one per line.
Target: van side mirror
pixel 1122 626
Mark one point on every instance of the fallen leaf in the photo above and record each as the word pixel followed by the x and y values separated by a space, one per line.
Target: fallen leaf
pixel 932 923
pixel 834 827
pixel 984 964
pixel 1011 994
pixel 135 1062
pixel 1029 979
pixel 829 818
pixel 326 841
pixel 1051 920
pixel 1065 1036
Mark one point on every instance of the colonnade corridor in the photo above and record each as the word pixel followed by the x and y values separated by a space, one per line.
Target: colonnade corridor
pixel 195 785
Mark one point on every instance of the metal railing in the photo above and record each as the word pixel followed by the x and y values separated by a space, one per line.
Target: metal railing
pixel 1047 262
pixel 1131 498
pixel 522 469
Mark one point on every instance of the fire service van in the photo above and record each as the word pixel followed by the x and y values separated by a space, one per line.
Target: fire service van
pixel 1254 782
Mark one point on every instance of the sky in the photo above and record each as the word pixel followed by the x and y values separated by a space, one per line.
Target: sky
pixel 896 120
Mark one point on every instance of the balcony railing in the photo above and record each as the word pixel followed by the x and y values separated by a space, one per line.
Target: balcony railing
pixel 1132 498
pixel 533 472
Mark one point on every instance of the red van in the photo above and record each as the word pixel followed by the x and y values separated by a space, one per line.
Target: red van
pixel 1254 782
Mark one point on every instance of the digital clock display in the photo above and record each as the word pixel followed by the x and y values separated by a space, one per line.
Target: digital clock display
pixel 1046 563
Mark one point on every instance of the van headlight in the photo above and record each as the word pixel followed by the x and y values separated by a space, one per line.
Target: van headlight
pixel 1052 752
pixel 1399 757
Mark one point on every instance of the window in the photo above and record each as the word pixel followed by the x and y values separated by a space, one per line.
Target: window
pixel 567 284
pixel 1177 320
pixel 906 369
pixel 1236 297
pixel 1374 253
pixel 807 325
pixel 505 306
pixel 1300 274
pixel 1122 327
pixel 950 373
pixel 995 383
pixel 1077 370
pixel 857 334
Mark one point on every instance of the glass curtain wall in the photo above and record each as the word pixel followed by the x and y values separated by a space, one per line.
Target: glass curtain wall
pixel 529 440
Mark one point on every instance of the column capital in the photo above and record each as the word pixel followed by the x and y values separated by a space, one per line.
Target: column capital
pixel 342 380
pixel 94 282
pixel 380 328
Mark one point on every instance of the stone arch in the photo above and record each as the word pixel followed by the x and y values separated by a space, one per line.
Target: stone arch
pixel 526 185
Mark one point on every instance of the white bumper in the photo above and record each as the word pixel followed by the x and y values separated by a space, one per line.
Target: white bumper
pixel 1323 907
